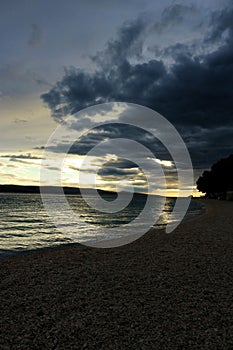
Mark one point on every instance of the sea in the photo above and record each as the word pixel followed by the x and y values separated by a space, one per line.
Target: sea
pixel 25 225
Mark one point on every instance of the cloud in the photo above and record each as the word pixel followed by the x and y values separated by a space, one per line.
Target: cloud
pixel 108 132
pixel 12 166
pixel 19 156
pixel 206 146
pixel 221 24
pixel 173 15
pixel 42 82
pixel 121 164
pixel 113 171
pixel 128 43
pixel 193 92
pixel 39 147
pixel 36 36
pixel 20 121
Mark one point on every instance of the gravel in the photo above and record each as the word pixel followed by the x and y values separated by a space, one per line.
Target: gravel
pixel 163 291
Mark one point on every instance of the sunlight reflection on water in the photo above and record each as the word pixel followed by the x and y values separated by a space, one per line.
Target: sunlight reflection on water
pixel 24 224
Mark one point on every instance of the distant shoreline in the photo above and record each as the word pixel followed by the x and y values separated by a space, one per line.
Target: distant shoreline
pixel 46 189
pixel 17 189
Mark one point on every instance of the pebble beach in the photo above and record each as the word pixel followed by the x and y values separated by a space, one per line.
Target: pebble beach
pixel 163 291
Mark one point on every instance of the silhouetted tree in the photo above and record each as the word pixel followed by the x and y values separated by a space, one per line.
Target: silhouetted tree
pixel 216 182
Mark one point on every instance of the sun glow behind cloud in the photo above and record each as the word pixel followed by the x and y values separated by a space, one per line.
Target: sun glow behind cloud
pixel 68 159
pixel 166 163
pixel 24 169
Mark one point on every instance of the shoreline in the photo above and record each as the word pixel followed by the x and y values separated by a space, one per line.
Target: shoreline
pixel 163 291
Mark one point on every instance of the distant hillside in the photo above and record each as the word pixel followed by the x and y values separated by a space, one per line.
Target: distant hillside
pixel 50 189
pixel 34 189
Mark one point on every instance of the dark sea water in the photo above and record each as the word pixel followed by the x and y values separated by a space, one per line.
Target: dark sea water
pixel 25 226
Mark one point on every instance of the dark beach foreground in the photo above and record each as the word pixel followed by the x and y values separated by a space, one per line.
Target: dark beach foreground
pixel 163 291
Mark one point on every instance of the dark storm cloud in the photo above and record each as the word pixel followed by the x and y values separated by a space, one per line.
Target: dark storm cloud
pixel 173 15
pixel 109 132
pixel 128 43
pixel 177 12
pixel 115 79
pixel 113 171
pixel 122 164
pixel 195 91
pixel 206 146
pixel 221 22
pixel 125 82
pixel 119 167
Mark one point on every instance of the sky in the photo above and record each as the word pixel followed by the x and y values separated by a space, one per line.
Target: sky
pixel 59 57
